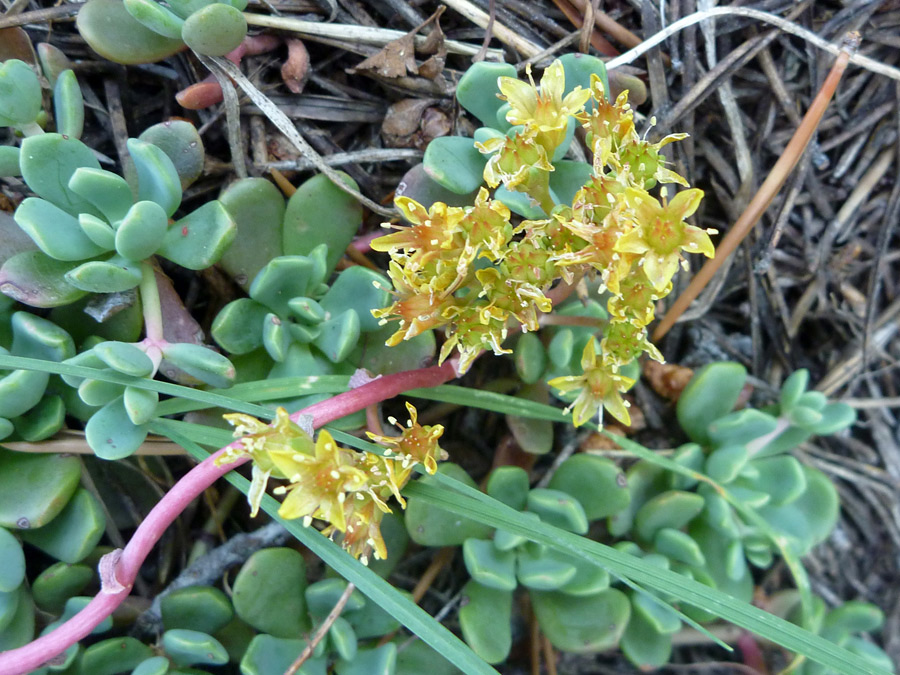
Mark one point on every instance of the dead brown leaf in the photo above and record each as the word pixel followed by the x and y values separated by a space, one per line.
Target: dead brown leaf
pixel 413 123
pixel 398 57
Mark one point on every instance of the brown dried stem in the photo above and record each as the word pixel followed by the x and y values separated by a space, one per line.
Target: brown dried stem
pixel 767 191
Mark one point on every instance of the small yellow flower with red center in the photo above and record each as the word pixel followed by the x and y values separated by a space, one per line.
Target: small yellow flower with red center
pixel 433 231
pixel 415 445
pixel 323 483
pixel 661 233
pixel 487 229
pixel 418 308
pixel 609 125
pixel 599 386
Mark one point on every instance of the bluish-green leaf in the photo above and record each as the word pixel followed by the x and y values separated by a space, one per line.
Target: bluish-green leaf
pixel 111 434
pixel 48 162
pixel 105 190
pixel 198 240
pixel 112 275
pixel 20 93
pixel 68 105
pixel 56 232
pixel 455 163
pixel 74 533
pixel 141 231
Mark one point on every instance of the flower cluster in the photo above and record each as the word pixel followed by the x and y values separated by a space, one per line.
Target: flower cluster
pixel 475 271
pixel 346 489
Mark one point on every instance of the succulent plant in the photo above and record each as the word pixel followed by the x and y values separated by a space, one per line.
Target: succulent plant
pixel 42 506
pixel 143 31
pixel 572 599
pixel 772 506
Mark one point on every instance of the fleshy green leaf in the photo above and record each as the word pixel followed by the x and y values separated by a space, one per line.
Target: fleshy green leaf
pixel 155 17
pixel 198 240
pixel 157 178
pixel 35 488
pixel 107 191
pixel 56 232
pixel 455 163
pixel 711 394
pixel 111 434
pixel 68 105
pixel 113 33
pixel 112 275
pixel 488 566
pixel 201 362
pixel 477 89
pixel 484 618
pixel 20 93
pixel 269 592
pixel 34 278
pixel 48 162
pixel 74 533
pixel 189 647
pixel 141 231
pixel 12 562
pixel 318 201
pixel 257 208
pixel 215 30
pixel 238 327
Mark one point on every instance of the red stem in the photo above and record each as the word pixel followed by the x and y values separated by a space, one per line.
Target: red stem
pixel 120 568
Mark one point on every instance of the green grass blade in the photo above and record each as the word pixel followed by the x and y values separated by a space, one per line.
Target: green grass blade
pixel 263 390
pixel 768 626
pixel 503 403
pixel 208 398
pixel 489 400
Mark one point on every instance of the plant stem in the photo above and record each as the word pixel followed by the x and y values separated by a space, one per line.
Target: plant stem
pixel 153 323
pixel 767 191
pixel 120 568
pixel 322 630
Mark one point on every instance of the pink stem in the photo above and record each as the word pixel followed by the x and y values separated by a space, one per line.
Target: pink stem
pixel 119 569
pixel 363 243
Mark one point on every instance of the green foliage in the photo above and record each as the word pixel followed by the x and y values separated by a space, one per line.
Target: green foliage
pixel 771 505
pixel 41 505
pixel 155 31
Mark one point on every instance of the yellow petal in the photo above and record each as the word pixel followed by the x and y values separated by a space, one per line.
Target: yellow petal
pixel 685 203
pixel 553 81
pixel 697 241
pixel 412 210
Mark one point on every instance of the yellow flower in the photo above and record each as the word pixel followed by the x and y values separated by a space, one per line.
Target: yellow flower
pixel 624 341
pixel 544 109
pixel 599 385
pixel 415 445
pixel 609 125
pixel 271 446
pixel 323 483
pixel 514 161
pixel 645 163
pixel 661 233
pixel 363 515
pixel 636 299
pixel 432 231
pixel 418 309
pixel 487 229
